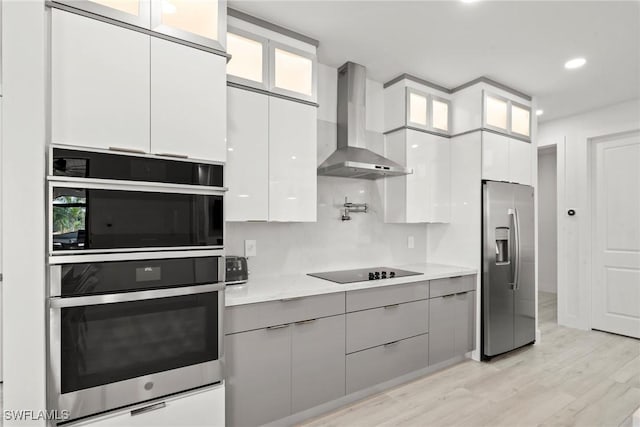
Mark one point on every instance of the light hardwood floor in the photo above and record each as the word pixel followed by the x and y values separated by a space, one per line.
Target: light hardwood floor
pixel 571 378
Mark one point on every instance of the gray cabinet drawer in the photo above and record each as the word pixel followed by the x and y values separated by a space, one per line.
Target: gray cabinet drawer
pixel 451 285
pixel 386 295
pixel 260 315
pixel 379 364
pixel 377 326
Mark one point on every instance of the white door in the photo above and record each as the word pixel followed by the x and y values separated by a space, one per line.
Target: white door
pixel 616 242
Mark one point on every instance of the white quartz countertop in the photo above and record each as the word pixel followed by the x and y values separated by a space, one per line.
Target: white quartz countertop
pixel 263 289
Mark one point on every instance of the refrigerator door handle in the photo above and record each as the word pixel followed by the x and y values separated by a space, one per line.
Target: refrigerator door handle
pixel 516 269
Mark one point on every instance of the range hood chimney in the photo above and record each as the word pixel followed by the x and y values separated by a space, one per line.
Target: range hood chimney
pixel 352 159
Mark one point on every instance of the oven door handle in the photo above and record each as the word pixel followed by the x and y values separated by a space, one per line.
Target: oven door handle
pixel 60 302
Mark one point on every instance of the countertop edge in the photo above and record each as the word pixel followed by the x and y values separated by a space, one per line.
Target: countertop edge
pixel 323 287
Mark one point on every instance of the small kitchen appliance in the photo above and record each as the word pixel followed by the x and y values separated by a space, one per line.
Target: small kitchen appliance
pixel 237 270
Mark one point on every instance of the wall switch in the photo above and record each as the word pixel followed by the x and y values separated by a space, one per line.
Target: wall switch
pixel 411 243
pixel 250 248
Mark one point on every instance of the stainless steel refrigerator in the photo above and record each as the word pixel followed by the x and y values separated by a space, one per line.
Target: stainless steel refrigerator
pixel 508 273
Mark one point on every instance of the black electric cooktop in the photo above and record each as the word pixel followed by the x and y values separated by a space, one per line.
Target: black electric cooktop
pixel 363 274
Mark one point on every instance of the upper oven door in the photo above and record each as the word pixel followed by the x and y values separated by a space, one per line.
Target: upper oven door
pixel 108 351
pixel 94 217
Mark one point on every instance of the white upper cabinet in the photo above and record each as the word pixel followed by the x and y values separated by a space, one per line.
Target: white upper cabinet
pixel 506 116
pixel 292 161
pixel 506 159
pixel 134 12
pixel 202 22
pixel 424 109
pixel 188 102
pixel 247 168
pixel 425 195
pixel 271 61
pixel 249 59
pixel 100 84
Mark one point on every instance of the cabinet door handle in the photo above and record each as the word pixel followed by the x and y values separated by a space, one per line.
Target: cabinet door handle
pixel 127 150
pixel 270 328
pixel 391 306
pixel 461 293
pixel 149 408
pixel 304 322
pixel 448 296
pixel 455 277
pixel 179 156
pixel 291 299
pixel 389 344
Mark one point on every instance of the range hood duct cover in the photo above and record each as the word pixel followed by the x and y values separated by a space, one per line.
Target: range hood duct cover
pixel 352 159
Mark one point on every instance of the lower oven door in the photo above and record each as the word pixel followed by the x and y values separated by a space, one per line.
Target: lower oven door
pixel 114 350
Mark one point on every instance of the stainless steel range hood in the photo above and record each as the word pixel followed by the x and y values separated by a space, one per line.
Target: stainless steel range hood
pixel 352 159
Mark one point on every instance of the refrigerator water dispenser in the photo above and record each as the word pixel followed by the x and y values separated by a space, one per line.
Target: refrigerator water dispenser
pixel 502 245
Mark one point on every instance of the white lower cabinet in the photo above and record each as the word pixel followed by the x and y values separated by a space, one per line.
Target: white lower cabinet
pixel 99 84
pixel 203 407
pixel 506 159
pixel 188 102
pixel 424 195
pixel 247 168
pixel 272 158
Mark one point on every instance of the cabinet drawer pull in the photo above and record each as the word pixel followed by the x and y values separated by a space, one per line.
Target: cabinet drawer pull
pixel 448 296
pixel 455 277
pixel 178 156
pixel 127 150
pixel 304 322
pixel 149 408
pixel 270 328
pixel 389 344
pixel 290 299
pixel 391 306
pixel 461 293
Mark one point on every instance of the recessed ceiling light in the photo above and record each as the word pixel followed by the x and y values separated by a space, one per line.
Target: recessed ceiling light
pixel 468 1
pixel 539 112
pixel 574 63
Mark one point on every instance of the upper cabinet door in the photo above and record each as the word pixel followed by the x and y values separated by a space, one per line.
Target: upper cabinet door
pixel 203 22
pixel 135 12
pixel 188 102
pixel 249 59
pixel 440 113
pixel 99 84
pixel 292 161
pixel 520 120
pixel 417 109
pixel 293 72
pixel 496 113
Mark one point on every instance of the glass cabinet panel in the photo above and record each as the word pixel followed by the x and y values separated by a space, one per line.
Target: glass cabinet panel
pixel 132 7
pixel 202 22
pixel 135 12
pixel 293 73
pixel 440 114
pixel 496 112
pixel 248 59
pixel 417 108
pixel 520 120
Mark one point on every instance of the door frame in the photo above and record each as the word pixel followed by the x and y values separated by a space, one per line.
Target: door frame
pixel 592 144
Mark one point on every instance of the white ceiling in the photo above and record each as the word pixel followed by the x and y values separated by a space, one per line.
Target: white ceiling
pixel 523 44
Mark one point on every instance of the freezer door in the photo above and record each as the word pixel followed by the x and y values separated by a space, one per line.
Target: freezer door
pixel 498 268
pixel 524 293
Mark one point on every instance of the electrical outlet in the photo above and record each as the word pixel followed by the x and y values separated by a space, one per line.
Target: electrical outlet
pixel 250 248
pixel 411 243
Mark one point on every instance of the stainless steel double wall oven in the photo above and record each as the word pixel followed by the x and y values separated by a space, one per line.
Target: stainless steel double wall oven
pixel 136 278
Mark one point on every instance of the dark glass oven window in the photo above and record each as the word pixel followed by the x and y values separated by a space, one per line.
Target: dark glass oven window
pixel 106 343
pixel 114 219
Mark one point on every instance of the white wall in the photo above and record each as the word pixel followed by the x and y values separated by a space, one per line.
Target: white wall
pixel 330 243
pixel 572 136
pixel 23 219
pixel 547 220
